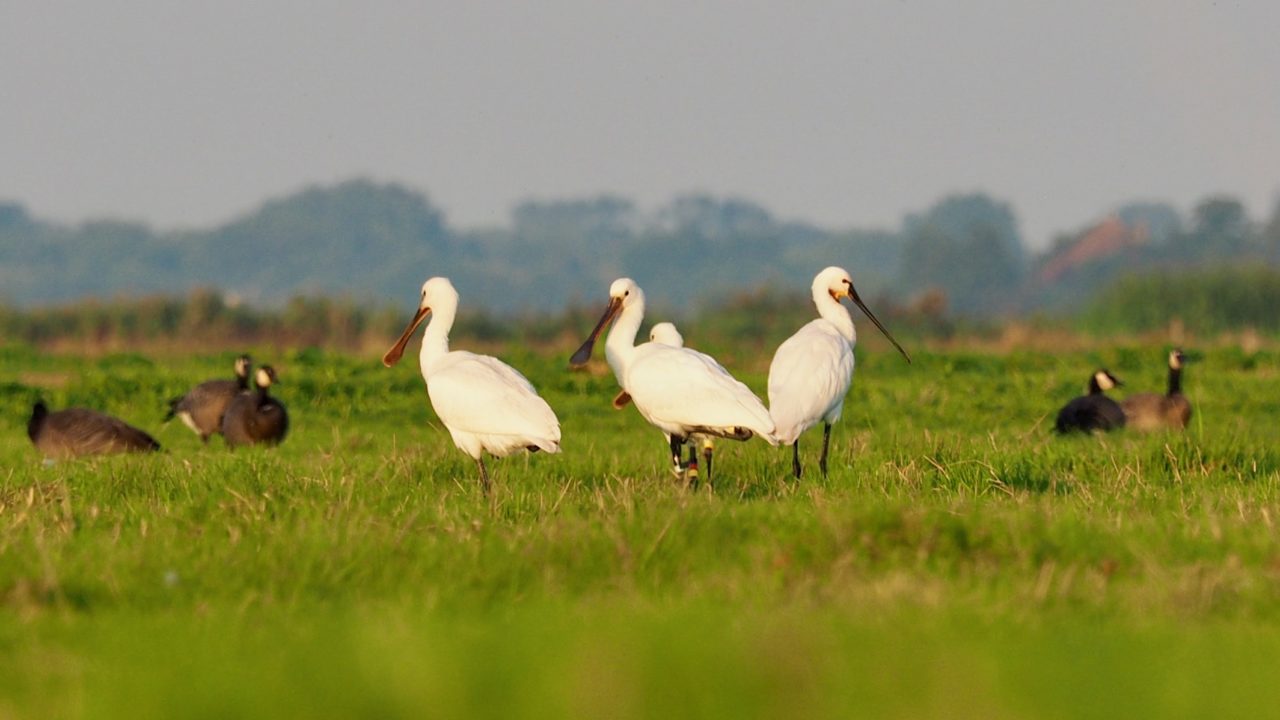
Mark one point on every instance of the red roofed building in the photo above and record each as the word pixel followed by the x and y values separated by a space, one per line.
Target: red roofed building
pixel 1107 238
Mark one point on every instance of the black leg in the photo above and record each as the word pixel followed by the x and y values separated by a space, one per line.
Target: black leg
pixel 795 458
pixel 691 467
pixel 826 442
pixel 706 461
pixel 677 445
pixel 484 475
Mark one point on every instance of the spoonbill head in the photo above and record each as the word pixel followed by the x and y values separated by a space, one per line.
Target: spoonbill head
pixel 678 390
pixel 812 370
pixel 623 293
pixel 667 334
pixel 486 405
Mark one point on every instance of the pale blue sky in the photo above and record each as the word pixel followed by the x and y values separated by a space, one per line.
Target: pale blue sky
pixel 845 114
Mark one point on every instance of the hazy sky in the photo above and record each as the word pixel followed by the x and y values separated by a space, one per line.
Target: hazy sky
pixel 842 113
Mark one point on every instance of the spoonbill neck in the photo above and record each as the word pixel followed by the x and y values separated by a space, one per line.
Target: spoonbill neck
pixel 621 345
pixel 832 311
pixel 435 339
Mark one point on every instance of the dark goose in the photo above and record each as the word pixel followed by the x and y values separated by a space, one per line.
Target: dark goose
pixel 1094 411
pixel 1150 411
pixel 75 432
pixel 202 408
pixel 254 417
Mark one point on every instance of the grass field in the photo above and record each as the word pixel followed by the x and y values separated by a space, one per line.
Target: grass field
pixel 959 561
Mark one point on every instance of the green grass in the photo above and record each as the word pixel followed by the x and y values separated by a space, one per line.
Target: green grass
pixel 959 561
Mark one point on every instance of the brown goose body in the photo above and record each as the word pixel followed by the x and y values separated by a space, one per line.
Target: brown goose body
pixel 76 432
pixel 1149 412
pixel 202 408
pixel 254 417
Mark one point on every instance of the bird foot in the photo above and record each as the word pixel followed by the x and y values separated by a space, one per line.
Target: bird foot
pixel 691 474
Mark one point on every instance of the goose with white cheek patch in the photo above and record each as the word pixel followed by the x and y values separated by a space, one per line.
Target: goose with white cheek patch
pixel 812 370
pixel 254 417
pixel 202 408
pixel 1094 411
pixel 487 406
pixel 682 392
pixel 1149 411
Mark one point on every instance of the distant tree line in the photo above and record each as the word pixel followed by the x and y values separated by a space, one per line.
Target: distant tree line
pixel 373 244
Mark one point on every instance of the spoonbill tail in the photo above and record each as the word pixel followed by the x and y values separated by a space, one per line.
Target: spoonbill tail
pixel 680 391
pixel 812 370
pixel 486 404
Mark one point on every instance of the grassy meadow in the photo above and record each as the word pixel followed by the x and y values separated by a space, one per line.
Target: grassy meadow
pixel 960 560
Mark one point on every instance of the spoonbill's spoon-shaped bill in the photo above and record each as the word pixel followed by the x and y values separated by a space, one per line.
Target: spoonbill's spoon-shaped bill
pixel 583 354
pixel 393 355
pixel 853 295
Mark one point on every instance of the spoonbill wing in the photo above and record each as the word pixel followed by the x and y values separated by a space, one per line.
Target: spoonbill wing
pixel 679 387
pixel 483 395
pixel 808 379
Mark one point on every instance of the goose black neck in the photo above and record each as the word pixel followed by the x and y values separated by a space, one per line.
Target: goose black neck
pixel 242 381
pixel 38 413
pixel 1094 387
pixel 1175 381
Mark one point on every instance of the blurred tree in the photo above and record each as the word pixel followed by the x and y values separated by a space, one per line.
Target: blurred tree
pixel 1161 221
pixel 1220 230
pixel 1269 235
pixel 967 246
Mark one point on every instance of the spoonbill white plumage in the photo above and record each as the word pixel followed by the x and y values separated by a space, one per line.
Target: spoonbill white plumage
pixel 487 405
pixel 680 391
pixel 667 334
pixel 812 370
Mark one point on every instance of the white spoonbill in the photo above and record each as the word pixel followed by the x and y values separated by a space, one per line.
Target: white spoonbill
pixel 486 404
pixel 811 370
pixel 667 334
pixel 680 391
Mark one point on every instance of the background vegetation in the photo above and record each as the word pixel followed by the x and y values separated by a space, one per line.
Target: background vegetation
pixel 371 244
